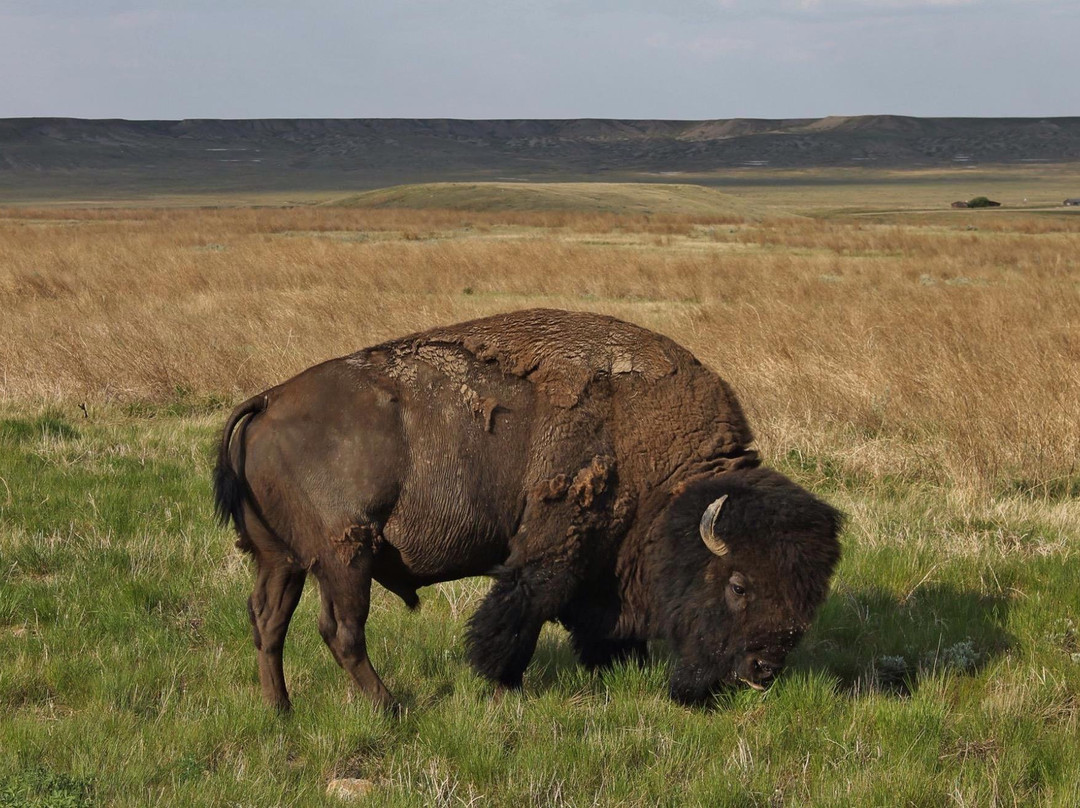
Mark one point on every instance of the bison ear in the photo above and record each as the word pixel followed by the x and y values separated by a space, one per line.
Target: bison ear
pixel 707 528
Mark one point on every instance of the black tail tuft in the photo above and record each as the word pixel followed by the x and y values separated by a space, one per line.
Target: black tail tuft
pixel 228 495
pixel 229 486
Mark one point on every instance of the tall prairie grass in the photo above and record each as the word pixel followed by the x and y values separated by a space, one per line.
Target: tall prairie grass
pixel 923 350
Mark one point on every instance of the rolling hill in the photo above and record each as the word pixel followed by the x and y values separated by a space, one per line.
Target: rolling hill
pixel 590 197
pixel 39 156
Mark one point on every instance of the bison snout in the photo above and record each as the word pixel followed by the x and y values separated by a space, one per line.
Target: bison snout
pixel 759 672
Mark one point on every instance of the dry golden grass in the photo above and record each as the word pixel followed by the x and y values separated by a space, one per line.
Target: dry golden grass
pixel 920 349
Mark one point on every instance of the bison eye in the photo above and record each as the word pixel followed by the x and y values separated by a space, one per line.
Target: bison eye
pixel 738 590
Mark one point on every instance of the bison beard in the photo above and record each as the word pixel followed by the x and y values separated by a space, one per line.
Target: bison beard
pixel 570 456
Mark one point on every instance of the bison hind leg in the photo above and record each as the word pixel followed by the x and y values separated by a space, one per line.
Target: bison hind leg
pixel 502 633
pixel 278 586
pixel 345 594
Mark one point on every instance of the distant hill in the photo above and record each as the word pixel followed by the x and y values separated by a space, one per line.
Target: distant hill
pixel 111 156
pixel 589 197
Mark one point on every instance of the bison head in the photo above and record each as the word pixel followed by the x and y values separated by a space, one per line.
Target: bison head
pixel 748 558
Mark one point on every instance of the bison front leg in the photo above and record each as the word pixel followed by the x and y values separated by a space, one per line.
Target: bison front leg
pixel 563 519
pixel 590 626
pixel 502 633
pixel 278 585
pixel 345 591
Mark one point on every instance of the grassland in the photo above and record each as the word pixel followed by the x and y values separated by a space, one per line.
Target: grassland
pixel 918 370
pixel 623 198
pixel 865 191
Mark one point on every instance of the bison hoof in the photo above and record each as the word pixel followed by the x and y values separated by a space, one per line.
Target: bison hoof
pixel 282 708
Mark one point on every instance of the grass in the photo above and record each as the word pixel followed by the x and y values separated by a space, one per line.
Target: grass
pixel 623 198
pixel 919 375
pixel 847 191
pixel 941 668
pixel 930 350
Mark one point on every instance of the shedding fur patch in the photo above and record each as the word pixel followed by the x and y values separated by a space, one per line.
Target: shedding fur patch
pixel 592 481
pixel 485 408
pixel 551 489
pixel 355 540
pixel 559 352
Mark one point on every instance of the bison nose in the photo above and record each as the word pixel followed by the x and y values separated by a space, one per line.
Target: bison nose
pixel 763 671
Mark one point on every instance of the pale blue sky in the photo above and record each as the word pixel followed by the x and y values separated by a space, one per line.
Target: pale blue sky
pixel 541 59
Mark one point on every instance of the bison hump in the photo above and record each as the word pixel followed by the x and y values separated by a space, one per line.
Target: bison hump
pixel 559 352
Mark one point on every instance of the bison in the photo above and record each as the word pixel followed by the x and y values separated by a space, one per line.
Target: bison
pixel 596 470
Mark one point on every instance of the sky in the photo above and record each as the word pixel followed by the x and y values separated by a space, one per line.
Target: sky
pixel 680 59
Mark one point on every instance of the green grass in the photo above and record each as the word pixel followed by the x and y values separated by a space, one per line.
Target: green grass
pixel 588 197
pixel 944 668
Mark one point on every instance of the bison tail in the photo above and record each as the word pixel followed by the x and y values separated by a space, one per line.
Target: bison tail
pixel 229 486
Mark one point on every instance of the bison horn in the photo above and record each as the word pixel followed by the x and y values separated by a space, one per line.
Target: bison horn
pixel 708 522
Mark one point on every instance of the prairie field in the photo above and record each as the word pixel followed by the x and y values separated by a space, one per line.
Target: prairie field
pixel 918 369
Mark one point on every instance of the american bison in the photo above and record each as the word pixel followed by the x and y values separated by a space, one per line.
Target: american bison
pixel 596 470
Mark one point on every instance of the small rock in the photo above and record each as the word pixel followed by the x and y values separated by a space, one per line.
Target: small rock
pixel 350 788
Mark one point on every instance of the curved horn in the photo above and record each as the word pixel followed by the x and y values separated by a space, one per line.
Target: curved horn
pixel 708 522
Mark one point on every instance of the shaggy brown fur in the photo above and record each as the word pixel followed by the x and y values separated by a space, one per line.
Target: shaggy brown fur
pixel 569 455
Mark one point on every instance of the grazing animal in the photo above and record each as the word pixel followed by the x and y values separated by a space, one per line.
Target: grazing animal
pixel 596 470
